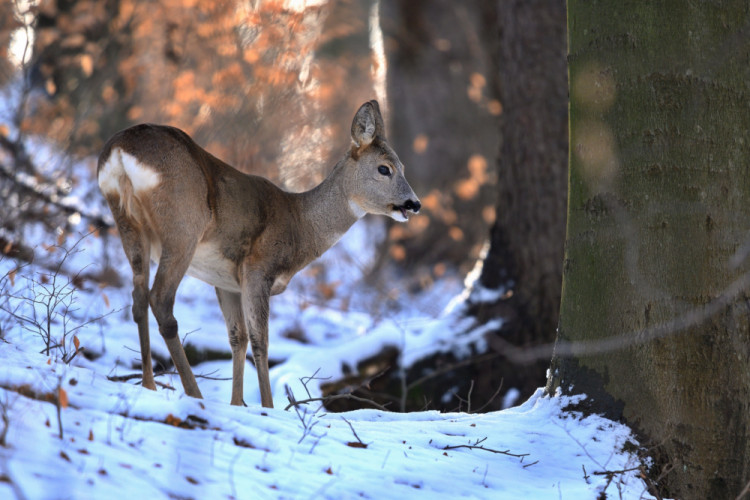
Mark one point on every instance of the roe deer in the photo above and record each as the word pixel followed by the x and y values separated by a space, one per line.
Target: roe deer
pixel 178 205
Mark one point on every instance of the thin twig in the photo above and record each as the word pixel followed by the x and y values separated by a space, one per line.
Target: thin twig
pixel 334 397
pixel 502 452
pixel 306 380
pixel 744 492
pixel 353 431
pixel 158 373
pixel 614 472
pixel 478 446
pixel 485 405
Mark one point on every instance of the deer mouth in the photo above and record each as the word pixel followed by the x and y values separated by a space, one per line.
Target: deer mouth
pixel 404 210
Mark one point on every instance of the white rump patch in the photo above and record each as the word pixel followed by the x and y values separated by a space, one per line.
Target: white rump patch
pixel 142 177
pixel 119 164
pixel 109 175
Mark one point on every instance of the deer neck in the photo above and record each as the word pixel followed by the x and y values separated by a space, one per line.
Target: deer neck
pixel 328 211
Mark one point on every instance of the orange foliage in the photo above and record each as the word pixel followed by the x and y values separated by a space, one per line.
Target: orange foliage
pixel 247 80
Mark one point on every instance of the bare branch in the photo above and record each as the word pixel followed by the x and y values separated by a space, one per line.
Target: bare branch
pixel 334 397
pixel 478 446
pixel 354 432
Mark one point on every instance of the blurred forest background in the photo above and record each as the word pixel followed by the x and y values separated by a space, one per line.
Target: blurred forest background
pixel 474 95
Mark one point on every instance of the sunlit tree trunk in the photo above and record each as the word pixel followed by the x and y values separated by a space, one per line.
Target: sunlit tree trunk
pixel 656 291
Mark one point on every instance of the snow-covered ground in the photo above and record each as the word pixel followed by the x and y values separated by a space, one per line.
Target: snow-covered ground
pixel 121 441
pixel 67 431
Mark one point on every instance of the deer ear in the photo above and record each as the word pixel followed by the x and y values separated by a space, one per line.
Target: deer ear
pixel 367 124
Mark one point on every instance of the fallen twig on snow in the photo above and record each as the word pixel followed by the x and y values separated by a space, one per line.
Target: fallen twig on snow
pixel 477 445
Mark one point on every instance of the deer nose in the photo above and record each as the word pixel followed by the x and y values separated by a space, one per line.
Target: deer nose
pixel 414 206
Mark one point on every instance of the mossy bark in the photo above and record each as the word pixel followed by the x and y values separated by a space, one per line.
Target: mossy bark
pixel 656 282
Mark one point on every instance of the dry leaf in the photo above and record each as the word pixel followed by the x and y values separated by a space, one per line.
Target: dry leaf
pixel 62 397
pixel 106 299
pixel 76 342
pixel 12 277
pixel 172 420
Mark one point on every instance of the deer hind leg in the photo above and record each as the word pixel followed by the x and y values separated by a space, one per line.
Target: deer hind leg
pixel 174 262
pixel 137 249
pixel 256 292
pixel 231 308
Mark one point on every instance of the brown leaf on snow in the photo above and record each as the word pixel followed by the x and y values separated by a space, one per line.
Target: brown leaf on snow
pixel 356 444
pixel 62 397
pixel 172 420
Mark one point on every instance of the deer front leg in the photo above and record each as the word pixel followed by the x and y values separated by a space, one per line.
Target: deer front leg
pixel 256 292
pixel 231 308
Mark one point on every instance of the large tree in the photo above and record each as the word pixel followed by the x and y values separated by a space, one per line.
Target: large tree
pixel 526 240
pixel 656 291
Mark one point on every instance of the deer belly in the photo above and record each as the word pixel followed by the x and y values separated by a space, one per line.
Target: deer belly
pixel 210 266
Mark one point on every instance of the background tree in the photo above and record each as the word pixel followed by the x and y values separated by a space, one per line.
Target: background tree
pixel 654 317
pixel 526 241
pixel 481 89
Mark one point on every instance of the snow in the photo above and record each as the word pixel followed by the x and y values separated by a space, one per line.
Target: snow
pixel 122 441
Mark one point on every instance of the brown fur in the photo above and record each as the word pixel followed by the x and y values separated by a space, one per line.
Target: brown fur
pixel 238 232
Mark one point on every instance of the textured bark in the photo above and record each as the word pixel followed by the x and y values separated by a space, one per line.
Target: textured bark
pixel 655 301
pixel 526 241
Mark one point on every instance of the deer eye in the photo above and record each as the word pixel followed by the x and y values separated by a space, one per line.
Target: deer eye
pixel 383 170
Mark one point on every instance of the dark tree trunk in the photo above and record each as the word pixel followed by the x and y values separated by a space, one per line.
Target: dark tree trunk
pixel 456 73
pixel 656 292
pixel 526 241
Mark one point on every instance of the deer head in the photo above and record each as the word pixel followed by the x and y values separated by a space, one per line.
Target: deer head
pixel 376 182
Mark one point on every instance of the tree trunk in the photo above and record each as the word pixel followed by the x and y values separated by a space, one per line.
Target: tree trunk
pixel 453 71
pixel 656 291
pixel 526 241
